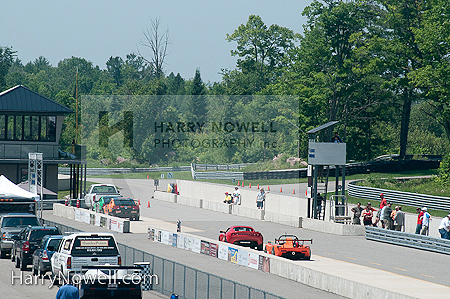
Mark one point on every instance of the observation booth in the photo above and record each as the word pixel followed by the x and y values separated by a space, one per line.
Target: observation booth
pixel 32 123
pixel 326 159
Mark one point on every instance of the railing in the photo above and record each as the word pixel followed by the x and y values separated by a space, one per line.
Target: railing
pixel 399 197
pixel 215 175
pixel 20 150
pixel 219 166
pixel 185 281
pixel 409 240
pixel 109 171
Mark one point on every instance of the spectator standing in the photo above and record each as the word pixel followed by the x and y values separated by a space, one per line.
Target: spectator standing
pixel 237 196
pixel 399 219
pixel 425 221
pixel 419 220
pixel 367 215
pixel 357 211
pixel 383 203
pixel 386 220
pixel 260 198
pixel 444 227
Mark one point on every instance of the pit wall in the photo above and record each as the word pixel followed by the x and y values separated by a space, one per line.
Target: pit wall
pixel 345 279
pixel 117 224
pixel 282 209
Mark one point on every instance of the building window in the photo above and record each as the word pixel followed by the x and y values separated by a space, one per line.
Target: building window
pixel 28 127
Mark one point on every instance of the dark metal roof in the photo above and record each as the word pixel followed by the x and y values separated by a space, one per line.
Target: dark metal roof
pixel 22 99
pixel 324 126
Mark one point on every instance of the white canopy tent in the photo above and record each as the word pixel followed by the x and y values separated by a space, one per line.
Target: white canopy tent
pixel 9 189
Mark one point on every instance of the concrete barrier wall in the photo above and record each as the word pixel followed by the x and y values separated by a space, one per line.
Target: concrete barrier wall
pixel 82 215
pixel 247 212
pixel 188 201
pixel 342 278
pixel 333 228
pixel 165 196
pixel 294 221
pixel 217 207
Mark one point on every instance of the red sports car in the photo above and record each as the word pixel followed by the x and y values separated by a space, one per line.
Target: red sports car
pixel 242 235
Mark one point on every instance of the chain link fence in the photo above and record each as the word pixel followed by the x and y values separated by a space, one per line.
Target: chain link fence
pixel 175 278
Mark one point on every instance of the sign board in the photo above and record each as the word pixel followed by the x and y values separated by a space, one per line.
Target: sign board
pixel 327 153
pixel 162 175
pixel 156 182
pixel 170 175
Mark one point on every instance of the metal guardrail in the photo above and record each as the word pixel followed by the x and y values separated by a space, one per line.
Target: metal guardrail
pixel 219 166
pixel 407 239
pixel 109 171
pixel 185 281
pixel 215 175
pixel 399 197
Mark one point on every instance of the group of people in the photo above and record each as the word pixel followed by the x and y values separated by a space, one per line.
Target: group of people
pixel 233 198
pixel 389 218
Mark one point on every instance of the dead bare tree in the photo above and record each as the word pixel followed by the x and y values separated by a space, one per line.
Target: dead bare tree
pixel 157 42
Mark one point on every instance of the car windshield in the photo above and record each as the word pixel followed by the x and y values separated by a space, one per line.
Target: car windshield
pixel 107 199
pixel 53 244
pixel 124 202
pixel 104 190
pixel 94 245
pixel 19 221
pixel 39 234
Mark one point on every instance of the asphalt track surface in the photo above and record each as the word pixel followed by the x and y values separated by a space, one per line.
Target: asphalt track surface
pixel 423 265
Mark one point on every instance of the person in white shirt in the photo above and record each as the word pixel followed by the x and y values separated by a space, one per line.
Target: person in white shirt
pixel 444 227
pixel 237 196
pixel 425 222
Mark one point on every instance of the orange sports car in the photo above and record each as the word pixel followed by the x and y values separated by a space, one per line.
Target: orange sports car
pixel 289 246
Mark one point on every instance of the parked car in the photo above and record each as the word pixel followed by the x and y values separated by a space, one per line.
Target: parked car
pixel 122 207
pixel 84 249
pixel 43 254
pixel 103 201
pixel 96 191
pixel 289 246
pixel 242 235
pixel 11 224
pixel 26 242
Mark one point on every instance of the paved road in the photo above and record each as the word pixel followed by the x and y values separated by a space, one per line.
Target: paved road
pixel 22 285
pixel 410 262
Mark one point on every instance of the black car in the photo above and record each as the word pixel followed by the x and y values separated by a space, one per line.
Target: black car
pixel 11 224
pixel 26 242
pixel 42 255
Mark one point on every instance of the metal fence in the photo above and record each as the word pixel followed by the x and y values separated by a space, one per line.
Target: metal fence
pixel 109 171
pixel 182 280
pixel 409 240
pixel 399 197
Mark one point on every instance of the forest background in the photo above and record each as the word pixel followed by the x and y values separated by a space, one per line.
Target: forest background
pixel 381 68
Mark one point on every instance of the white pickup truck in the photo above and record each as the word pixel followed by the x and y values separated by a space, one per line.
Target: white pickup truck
pixel 84 249
pixel 96 191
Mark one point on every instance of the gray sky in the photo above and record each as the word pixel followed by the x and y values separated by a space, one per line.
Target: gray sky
pixel 98 29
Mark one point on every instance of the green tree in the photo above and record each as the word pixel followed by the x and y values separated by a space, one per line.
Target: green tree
pixel 114 66
pixel 6 61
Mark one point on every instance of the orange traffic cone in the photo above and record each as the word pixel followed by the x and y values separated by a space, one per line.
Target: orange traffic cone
pixel 139 201
pixel 148 204
pixel 281 189
pixel 242 184
pixel 250 185
pixel 258 186
pixel 268 188
pixel 293 191
pixel 238 183
pixel 147 176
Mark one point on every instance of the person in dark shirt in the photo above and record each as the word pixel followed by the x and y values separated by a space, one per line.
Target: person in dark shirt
pixel 336 138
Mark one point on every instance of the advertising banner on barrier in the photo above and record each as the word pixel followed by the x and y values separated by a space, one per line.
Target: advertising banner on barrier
pixel 253 260
pixel 174 240
pixel 242 257
pixel 151 234
pixel 86 217
pixel 196 245
pixel 204 247
pixel 180 241
pixel 264 263
pixel 213 248
pixel 223 252
pixel 165 238
pixel 232 255
pixel 97 220
pixel 77 215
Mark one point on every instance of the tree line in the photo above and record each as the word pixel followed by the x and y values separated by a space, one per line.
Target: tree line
pixel 380 68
